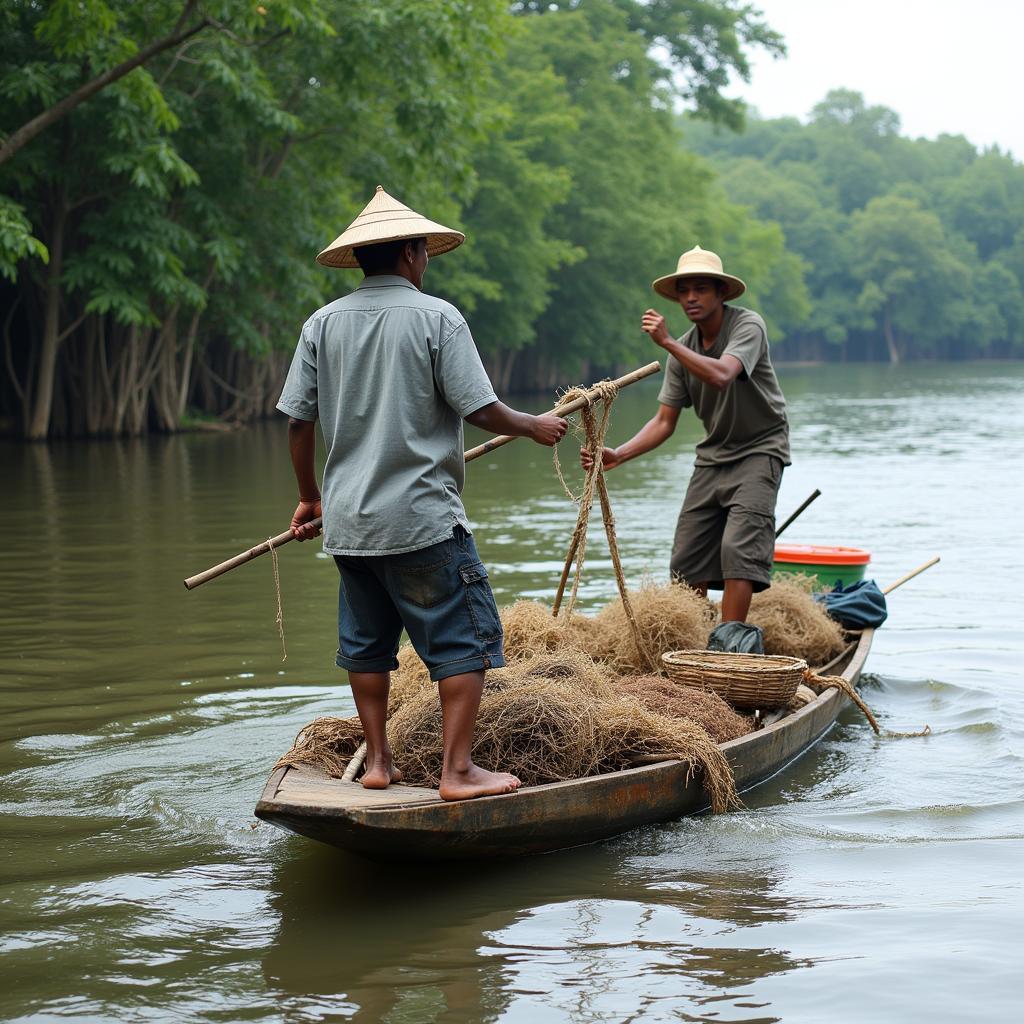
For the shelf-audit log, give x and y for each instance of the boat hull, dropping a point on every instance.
(413, 823)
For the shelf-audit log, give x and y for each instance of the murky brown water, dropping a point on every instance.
(873, 880)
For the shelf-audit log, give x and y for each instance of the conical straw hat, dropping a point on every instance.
(385, 219)
(698, 262)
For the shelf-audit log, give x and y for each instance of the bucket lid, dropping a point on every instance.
(820, 554)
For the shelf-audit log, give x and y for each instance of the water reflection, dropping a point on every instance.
(602, 926)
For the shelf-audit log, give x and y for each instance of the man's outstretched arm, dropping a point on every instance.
(655, 431)
(302, 446)
(498, 418)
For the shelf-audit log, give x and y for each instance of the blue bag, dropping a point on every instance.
(856, 606)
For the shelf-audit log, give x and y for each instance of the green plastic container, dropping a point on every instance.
(827, 564)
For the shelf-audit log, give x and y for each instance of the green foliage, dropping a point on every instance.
(17, 242)
(182, 205)
(915, 242)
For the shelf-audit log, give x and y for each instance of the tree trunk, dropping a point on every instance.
(890, 338)
(42, 399)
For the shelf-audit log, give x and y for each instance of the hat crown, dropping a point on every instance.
(695, 260)
(385, 219)
(698, 262)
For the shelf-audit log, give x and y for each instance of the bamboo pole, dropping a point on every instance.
(565, 575)
(566, 409)
(240, 559)
(910, 575)
(352, 768)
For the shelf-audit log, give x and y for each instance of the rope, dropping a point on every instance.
(277, 588)
(593, 435)
(819, 683)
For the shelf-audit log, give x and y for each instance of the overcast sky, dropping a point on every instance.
(943, 65)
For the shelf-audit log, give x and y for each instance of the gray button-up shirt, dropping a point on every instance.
(391, 373)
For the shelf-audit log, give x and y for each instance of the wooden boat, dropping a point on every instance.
(413, 823)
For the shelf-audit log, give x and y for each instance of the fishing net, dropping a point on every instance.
(794, 623)
(326, 743)
(672, 699)
(554, 718)
(669, 616)
(550, 718)
(530, 629)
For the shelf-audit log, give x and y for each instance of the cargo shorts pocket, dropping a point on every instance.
(480, 601)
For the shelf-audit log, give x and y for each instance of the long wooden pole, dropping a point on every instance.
(910, 575)
(565, 409)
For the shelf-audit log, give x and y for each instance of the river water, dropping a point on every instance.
(876, 879)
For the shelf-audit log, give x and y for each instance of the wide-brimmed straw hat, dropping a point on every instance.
(698, 262)
(385, 219)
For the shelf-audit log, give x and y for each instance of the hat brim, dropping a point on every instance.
(340, 254)
(666, 286)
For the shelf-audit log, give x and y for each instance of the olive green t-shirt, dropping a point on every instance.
(749, 416)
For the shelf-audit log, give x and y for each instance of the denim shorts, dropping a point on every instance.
(439, 594)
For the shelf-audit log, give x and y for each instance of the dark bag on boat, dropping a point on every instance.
(856, 606)
(736, 638)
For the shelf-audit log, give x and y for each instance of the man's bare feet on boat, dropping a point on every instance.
(380, 774)
(474, 782)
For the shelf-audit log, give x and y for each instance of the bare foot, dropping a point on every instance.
(380, 775)
(476, 782)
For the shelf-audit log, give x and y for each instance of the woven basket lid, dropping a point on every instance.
(385, 219)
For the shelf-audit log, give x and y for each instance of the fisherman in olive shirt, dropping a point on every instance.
(391, 373)
(725, 536)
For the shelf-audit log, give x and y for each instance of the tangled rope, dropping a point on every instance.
(820, 683)
(594, 431)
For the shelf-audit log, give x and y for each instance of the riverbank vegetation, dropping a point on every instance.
(168, 170)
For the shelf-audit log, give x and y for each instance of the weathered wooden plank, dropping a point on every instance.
(301, 785)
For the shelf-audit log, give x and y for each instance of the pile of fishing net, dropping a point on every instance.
(548, 718)
(703, 707)
(669, 618)
(577, 698)
(794, 623)
(672, 617)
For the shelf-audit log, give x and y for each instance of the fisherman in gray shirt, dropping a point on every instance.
(391, 373)
(725, 535)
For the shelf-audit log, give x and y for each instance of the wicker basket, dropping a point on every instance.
(744, 680)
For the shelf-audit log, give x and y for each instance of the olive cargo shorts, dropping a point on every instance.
(726, 528)
(440, 594)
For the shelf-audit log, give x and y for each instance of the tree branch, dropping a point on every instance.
(28, 131)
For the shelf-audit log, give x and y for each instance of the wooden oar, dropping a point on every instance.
(798, 512)
(910, 575)
(565, 409)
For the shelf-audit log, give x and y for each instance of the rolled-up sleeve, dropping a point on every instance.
(674, 392)
(460, 375)
(299, 395)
